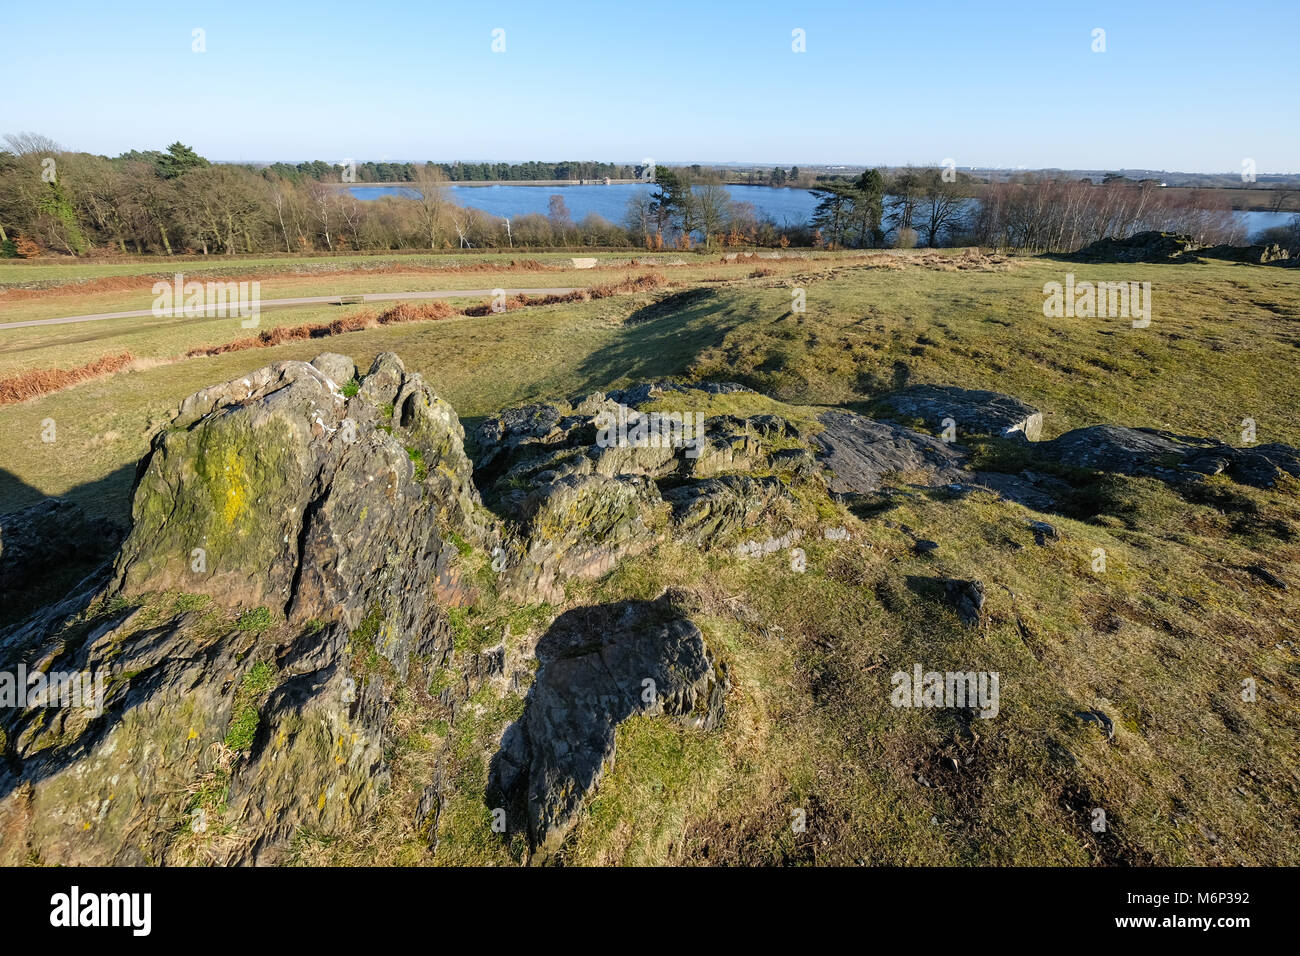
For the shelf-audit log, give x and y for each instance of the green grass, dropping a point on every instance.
(1160, 640)
(149, 337)
(417, 458)
(14, 272)
(256, 620)
(244, 713)
(1221, 338)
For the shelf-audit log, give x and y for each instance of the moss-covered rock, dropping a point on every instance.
(322, 548)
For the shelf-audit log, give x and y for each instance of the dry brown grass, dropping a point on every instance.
(402, 312)
(649, 282)
(27, 385)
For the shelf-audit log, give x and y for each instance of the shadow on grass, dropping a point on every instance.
(659, 340)
(37, 571)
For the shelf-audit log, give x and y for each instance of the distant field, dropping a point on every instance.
(15, 272)
(71, 345)
(19, 271)
(1222, 339)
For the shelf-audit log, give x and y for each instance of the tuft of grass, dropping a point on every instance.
(463, 547)
(255, 620)
(244, 714)
(417, 457)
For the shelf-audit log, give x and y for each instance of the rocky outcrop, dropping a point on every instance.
(859, 453)
(277, 489)
(1151, 246)
(300, 535)
(972, 411)
(583, 486)
(708, 510)
(1176, 458)
(599, 667)
(311, 527)
(580, 526)
(1258, 254)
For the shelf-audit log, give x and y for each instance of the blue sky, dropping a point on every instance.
(1181, 85)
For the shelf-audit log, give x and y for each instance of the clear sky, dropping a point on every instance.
(1187, 85)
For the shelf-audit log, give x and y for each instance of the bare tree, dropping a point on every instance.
(713, 204)
(32, 144)
(941, 207)
(319, 195)
(431, 184)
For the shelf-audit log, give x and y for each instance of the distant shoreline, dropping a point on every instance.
(1241, 198)
(501, 182)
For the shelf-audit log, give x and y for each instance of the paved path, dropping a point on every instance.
(302, 300)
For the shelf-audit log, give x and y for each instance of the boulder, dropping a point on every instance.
(710, 510)
(318, 526)
(975, 412)
(858, 453)
(599, 666)
(967, 597)
(339, 369)
(1176, 458)
(276, 490)
(527, 426)
(579, 526)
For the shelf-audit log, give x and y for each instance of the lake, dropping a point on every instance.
(785, 207)
(791, 207)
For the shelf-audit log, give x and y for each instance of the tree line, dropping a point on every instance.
(175, 201)
(457, 172)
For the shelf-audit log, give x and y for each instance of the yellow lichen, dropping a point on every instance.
(236, 486)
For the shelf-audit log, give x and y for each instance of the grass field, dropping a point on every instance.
(41, 274)
(1222, 340)
(1160, 642)
(49, 271)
